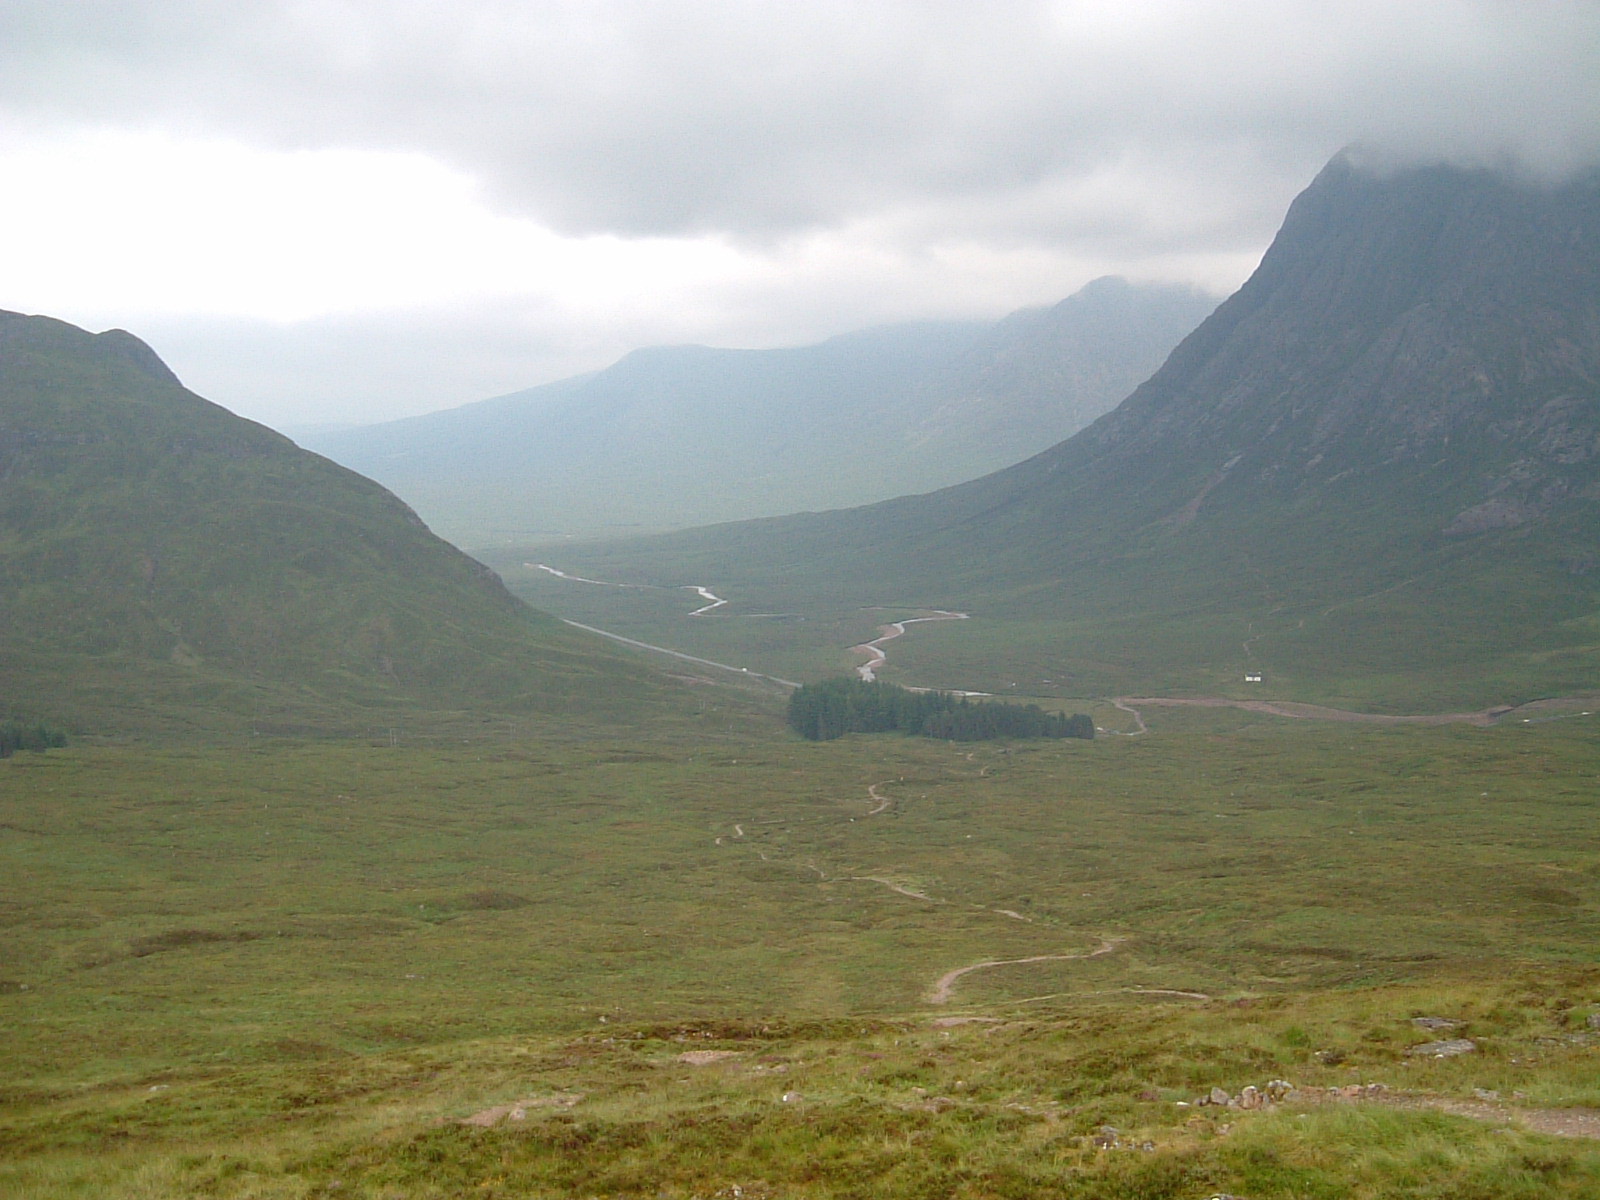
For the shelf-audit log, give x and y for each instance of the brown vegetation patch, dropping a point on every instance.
(183, 939)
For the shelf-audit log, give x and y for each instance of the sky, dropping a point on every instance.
(345, 211)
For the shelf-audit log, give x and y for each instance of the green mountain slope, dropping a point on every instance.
(685, 435)
(1372, 474)
(164, 563)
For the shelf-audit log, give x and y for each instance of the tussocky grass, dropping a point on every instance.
(254, 972)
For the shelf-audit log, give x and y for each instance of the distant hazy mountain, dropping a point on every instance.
(1380, 457)
(165, 564)
(686, 435)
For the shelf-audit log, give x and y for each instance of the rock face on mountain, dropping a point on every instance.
(1433, 320)
(1381, 456)
(683, 435)
(164, 562)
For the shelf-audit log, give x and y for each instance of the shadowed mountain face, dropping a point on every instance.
(164, 562)
(1435, 320)
(685, 435)
(1382, 453)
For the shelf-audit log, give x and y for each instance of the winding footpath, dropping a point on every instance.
(946, 983)
(881, 804)
(887, 633)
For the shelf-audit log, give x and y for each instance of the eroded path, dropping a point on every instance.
(901, 886)
(1562, 1122)
(945, 984)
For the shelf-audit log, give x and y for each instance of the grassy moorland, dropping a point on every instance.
(711, 966)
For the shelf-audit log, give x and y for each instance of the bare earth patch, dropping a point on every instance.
(946, 983)
(516, 1111)
(699, 1058)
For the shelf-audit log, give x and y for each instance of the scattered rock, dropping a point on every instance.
(1350, 1091)
(1594, 1019)
(1250, 1098)
(1435, 1023)
(1106, 1137)
(491, 1117)
(791, 1097)
(699, 1058)
(516, 1111)
(1485, 1094)
(1445, 1049)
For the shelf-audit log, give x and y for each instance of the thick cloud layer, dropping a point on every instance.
(1092, 133)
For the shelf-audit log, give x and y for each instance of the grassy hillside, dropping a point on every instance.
(165, 565)
(710, 964)
(1371, 474)
(685, 435)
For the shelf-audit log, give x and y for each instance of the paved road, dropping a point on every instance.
(704, 662)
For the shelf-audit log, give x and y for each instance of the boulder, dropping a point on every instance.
(1445, 1049)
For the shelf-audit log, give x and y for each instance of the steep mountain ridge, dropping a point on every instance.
(164, 562)
(679, 435)
(1394, 317)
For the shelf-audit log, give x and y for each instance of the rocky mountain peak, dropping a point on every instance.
(1411, 316)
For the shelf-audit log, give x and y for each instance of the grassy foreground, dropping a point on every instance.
(710, 968)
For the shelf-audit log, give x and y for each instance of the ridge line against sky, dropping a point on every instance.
(351, 210)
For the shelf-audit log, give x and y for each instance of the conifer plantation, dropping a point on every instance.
(830, 709)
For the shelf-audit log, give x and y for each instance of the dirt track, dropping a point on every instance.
(1309, 712)
(944, 985)
(887, 633)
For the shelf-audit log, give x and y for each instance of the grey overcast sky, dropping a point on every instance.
(346, 210)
